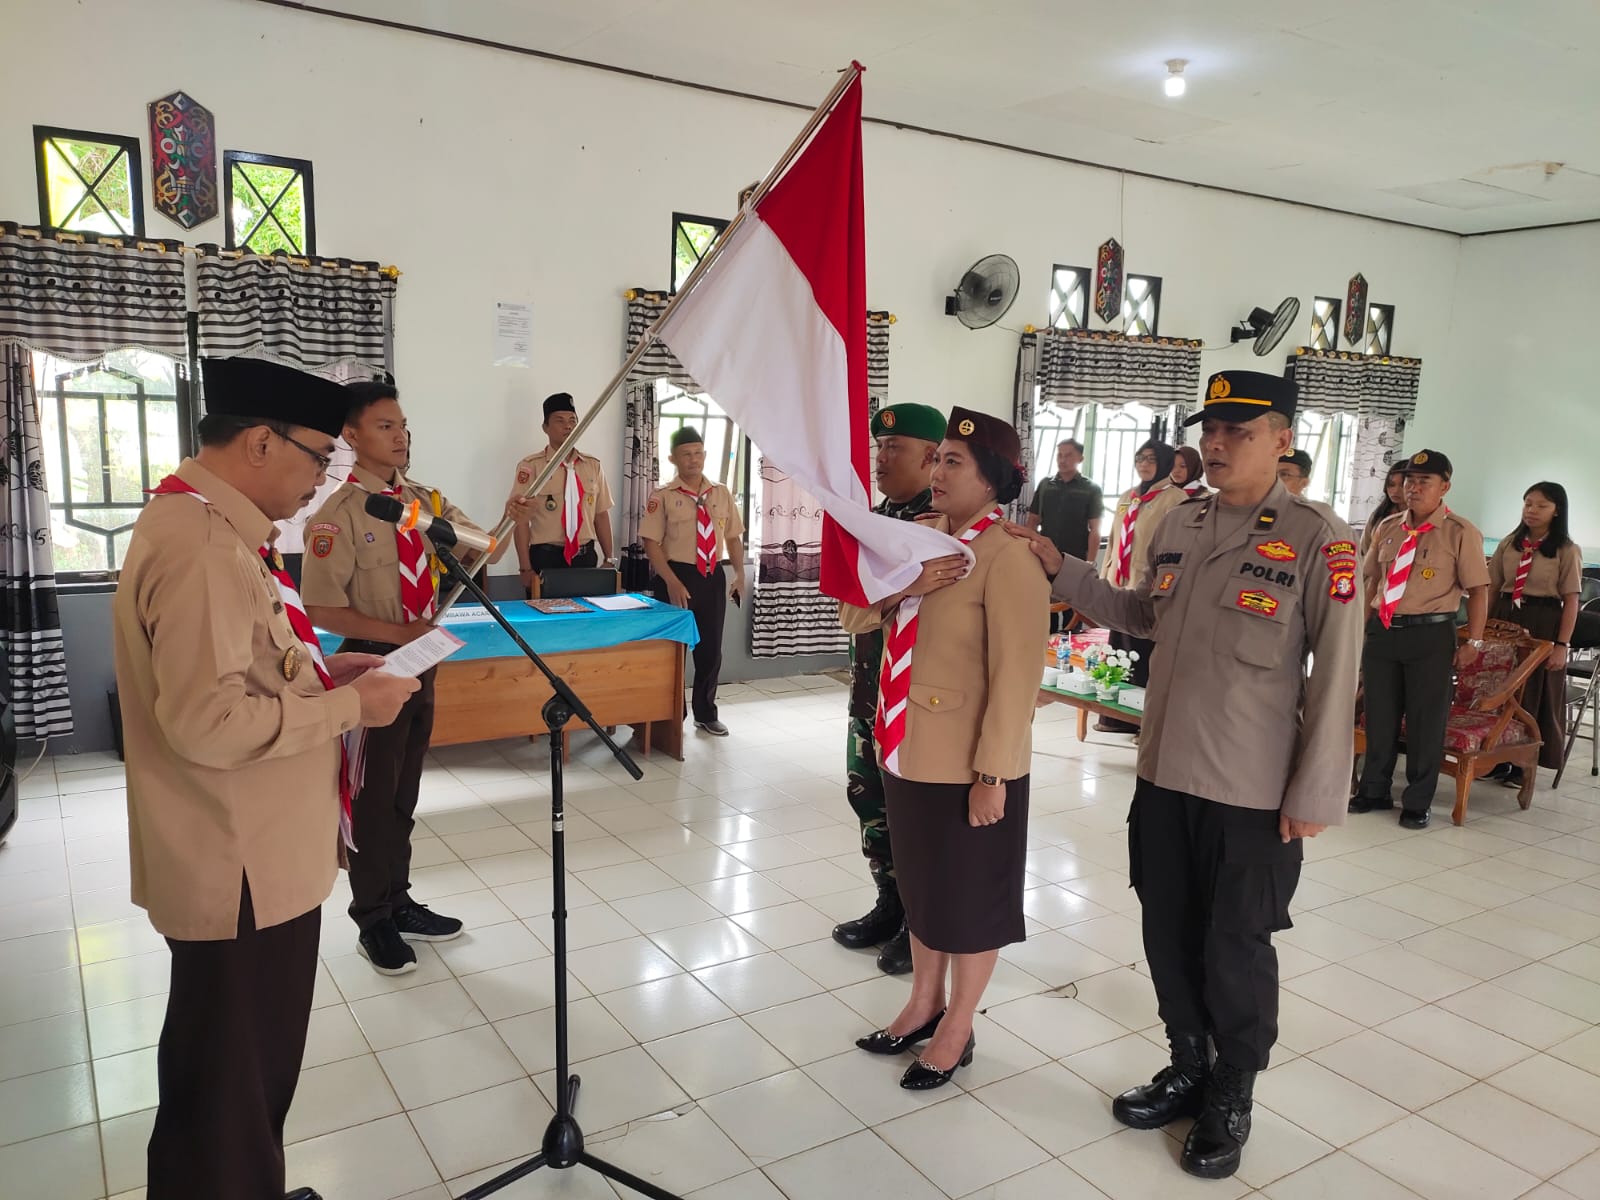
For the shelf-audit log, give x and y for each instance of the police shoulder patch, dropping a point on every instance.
(1263, 603)
(1339, 550)
(1168, 578)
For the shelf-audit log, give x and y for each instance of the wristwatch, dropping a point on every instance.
(1477, 643)
(989, 780)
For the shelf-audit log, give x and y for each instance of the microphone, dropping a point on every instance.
(440, 532)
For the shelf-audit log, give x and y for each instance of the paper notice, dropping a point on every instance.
(619, 603)
(414, 658)
(513, 333)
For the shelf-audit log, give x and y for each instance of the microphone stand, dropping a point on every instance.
(562, 1147)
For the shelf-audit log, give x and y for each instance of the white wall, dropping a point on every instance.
(486, 175)
(1517, 393)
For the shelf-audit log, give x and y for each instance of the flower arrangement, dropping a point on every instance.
(1110, 668)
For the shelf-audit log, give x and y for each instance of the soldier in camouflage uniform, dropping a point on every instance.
(907, 437)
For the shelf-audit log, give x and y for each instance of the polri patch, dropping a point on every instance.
(1277, 550)
(1263, 603)
(1342, 583)
(1335, 550)
(1168, 578)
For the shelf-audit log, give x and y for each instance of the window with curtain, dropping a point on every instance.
(89, 182)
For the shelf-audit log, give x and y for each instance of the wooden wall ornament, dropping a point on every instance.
(1355, 311)
(183, 159)
(1108, 281)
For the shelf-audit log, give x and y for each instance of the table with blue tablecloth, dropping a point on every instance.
(626, 666)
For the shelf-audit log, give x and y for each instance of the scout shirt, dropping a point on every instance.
(1144, 528)
(669, 518)
(1235, 600)
(352, 559)
(544, 523)
(1560, 576)
(1449, 562)
(976, 665)
(232, 742)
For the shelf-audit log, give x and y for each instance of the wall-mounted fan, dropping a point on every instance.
(985, 292)
(1266, 327)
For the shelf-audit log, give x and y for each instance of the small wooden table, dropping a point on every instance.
(1086, 703)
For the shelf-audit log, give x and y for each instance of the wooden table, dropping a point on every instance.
(635, 683)
(1086, 703)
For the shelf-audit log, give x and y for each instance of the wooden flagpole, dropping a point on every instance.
(651, 335)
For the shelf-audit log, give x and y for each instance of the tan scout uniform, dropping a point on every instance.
(670, 518)
(1551, 578)
(232, 768)
(353, 561)
(547, 540)
(1144, 528)
(1406, 668)
(1544, 596)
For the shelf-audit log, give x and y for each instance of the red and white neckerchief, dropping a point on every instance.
(571, 510)
(894, 686)
(1394, 586)
(1192, 487)
(416, 580)
(352, 747)
(1530, 547)
(1130, 518)
(705, 531)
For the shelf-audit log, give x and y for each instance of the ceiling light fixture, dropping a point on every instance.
(1175, 85)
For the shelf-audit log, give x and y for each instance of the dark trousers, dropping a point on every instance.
(1406, 674)
(1214, 883)
(229, 1059)
(547, 556)
(708, 601)
(864, 789)
(384, 810)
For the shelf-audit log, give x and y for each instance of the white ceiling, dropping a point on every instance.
(1462, 115)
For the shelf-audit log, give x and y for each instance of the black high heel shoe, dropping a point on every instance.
(921, 1077)
(884, 1042)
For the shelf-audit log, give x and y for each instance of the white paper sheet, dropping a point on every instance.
(416, 657)
(618, 603)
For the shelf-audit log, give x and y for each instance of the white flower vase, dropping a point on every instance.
(1107, 693)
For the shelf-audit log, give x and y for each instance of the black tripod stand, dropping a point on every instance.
(562, 1147)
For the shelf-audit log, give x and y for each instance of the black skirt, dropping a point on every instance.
(961, 886)
(1545, 693)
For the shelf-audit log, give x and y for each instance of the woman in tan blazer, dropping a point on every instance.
(961, 669)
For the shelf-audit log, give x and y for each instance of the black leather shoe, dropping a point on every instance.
(895, 957)
(1415, 820)
(879, 925)
(884, 1042)
(1178, 1090)
(1363, 804)
(1512, 778)
(1216, 1142)
(303, 1194)
(922, 1077)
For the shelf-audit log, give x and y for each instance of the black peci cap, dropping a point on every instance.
(269, 391)
(559, 402)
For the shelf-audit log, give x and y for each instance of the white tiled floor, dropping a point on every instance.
(1438, 1023)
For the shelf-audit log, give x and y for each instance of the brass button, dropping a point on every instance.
(933, 701)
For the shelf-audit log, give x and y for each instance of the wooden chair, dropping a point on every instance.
(1487, 724)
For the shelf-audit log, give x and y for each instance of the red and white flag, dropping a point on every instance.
(776, 331)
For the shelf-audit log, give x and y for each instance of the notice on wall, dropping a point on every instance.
(513, 333)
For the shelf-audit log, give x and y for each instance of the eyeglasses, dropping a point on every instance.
(1144, 460)
(322, 460)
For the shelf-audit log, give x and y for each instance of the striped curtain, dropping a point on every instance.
(79, 298)
(307, 313)
(1024, 402)
(1381, 392)
(640, 449)
(30, 628)
(1080, 366)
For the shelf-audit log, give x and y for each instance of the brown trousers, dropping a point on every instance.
(229, 1059)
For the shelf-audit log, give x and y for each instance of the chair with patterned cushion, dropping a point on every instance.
(1487, 723)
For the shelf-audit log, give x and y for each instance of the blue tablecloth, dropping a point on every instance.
(553, 633)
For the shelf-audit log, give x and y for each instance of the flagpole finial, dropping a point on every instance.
(856, 67)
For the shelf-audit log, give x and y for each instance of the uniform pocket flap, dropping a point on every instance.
(936, 699)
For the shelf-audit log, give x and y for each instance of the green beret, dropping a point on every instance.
(909, 420)
(685, 436)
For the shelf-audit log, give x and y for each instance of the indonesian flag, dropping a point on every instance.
(776, 331)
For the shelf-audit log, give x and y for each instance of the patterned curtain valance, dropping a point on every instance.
(1366, 385)
(878, 359)
(1080, 366)
(307, 313)
(78, 297)
(644, 308)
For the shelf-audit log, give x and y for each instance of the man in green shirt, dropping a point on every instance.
(907, 437)
(1067, 508)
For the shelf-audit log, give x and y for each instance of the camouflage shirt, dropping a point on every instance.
(866, 650)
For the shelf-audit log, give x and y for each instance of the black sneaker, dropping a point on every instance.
(714, 727)
(417, 923)
(386, 950)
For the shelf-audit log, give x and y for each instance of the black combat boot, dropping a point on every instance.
(895, 957)
(879, 925)
(1176, 1091)
(1217, 1140)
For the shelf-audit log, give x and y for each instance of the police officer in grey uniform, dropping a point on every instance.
(1253, 601)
